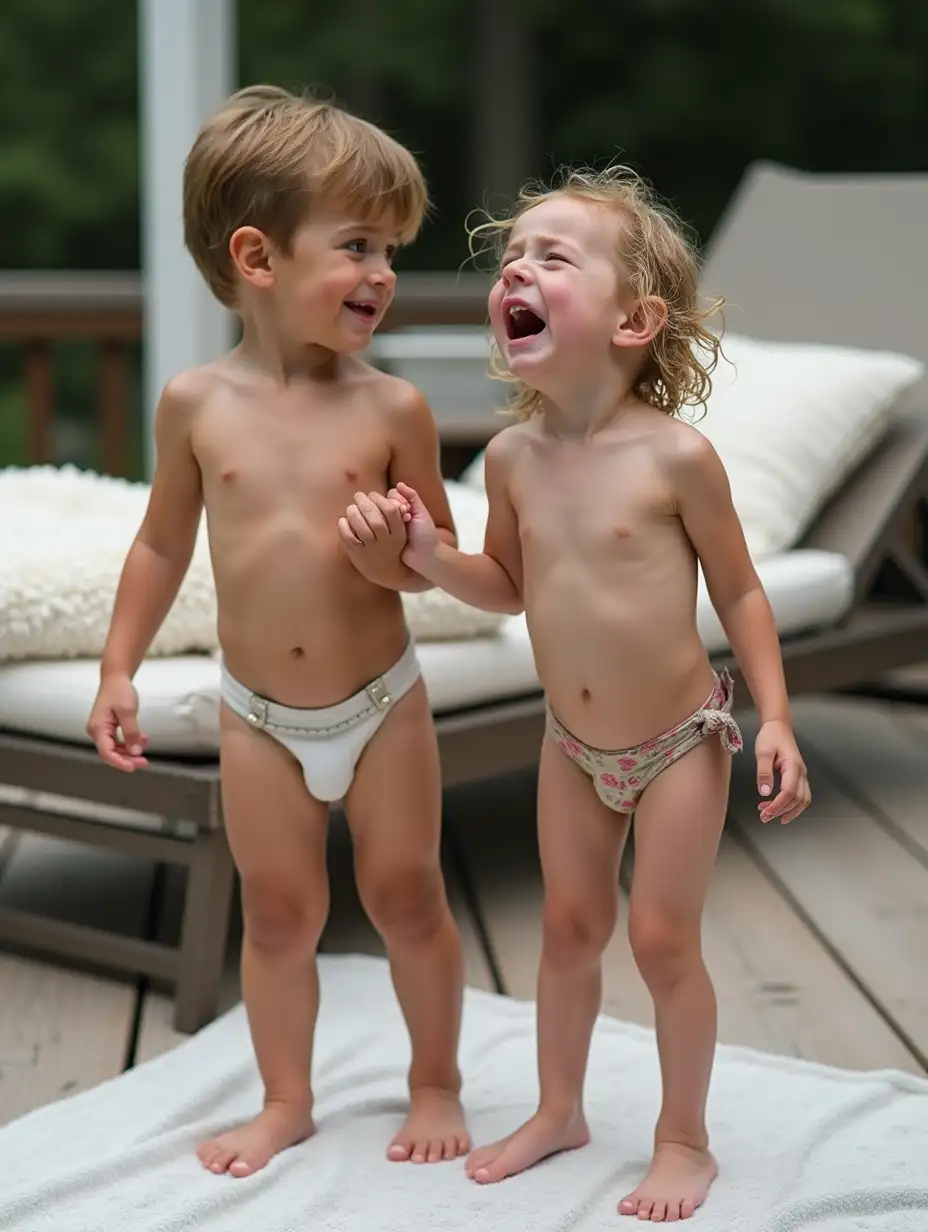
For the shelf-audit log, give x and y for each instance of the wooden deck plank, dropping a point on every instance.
(156, 1021)
(859, 888)
(156, 1032)
(61, 1029)
(879, 753)
(61, 1032)
(779, 989)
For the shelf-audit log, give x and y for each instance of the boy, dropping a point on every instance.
(293, 211)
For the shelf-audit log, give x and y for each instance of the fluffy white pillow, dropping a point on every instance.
(64, 535)
(790, 422)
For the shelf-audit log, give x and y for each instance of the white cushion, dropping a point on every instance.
(790, 422)
(179, 697)
(64, 535)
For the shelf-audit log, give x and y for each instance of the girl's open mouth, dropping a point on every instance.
(522, 322)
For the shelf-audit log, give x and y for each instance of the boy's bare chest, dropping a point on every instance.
(253, 464)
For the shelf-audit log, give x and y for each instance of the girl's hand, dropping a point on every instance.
(421, 535)
(777, 753)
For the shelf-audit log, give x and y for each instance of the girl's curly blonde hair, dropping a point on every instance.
(659, 262)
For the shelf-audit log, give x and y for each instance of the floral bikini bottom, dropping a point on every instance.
(621, 775)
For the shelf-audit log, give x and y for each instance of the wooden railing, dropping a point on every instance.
(41, 310)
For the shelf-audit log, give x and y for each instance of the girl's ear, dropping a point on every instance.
(640, 324)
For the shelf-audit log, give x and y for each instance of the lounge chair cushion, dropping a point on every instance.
(180, 696)
(791, 422)
(64, 535)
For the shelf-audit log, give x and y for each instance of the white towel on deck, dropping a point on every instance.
(801, 1147)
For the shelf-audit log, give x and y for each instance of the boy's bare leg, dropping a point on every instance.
(394, 811)
(277, 833)
(677, 830)
(580, 842)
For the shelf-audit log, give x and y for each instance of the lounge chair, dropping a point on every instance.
(796, 257)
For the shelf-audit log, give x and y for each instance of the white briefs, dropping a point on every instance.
(329, 741)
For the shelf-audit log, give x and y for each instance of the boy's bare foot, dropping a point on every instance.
(247, 1149)
(434, 1129)
(539, 1137)
(677, 1183)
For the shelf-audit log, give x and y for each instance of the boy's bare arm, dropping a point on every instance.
(160, 554)
(416, 461)
(491, 579)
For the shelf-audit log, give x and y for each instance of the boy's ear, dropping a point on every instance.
(640, 322)
(251, 253)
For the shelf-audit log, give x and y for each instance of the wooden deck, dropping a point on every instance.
(813, 932)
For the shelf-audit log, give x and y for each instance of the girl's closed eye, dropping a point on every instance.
(556, 256)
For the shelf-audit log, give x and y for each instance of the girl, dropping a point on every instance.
(602, 504)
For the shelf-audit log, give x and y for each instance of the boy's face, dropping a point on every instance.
(337, 281)
(557, 304)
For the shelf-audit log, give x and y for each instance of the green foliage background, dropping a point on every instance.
(690, 91)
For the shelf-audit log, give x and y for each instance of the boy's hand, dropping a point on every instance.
(777, 752)
(421, 534)
(113, 725)
(373, 532)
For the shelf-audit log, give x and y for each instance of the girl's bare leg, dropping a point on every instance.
(581, 842)
(677, 830)
(277, 833)
(394, 811)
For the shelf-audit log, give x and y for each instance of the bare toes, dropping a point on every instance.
(220, 1159)
(496, 1170)
(658, 1212)
(478, 1160)
(398, 1152)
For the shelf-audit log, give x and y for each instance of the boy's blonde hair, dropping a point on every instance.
(268, 156)
(658, 260)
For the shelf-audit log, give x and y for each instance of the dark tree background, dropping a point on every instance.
(485, 91)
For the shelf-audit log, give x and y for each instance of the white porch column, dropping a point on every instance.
(186, 54)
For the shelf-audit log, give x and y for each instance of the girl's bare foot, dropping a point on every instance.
(677, 1183)
(541, 1136)
(247, 1149)
(434, 1129)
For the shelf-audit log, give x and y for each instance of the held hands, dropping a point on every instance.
(373, 532)
(378, 530)
(421, 535)
(113, 725)
(777, 752)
